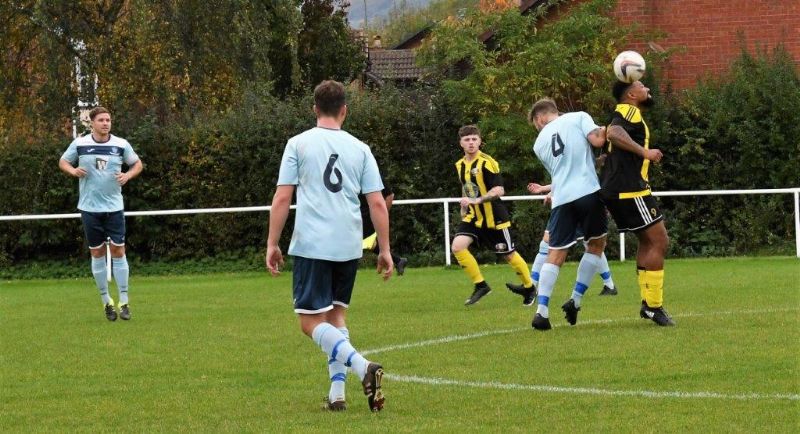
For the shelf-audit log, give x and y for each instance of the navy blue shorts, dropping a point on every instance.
(550, 224)
(98, 226)
(582, 218)
(319, 284)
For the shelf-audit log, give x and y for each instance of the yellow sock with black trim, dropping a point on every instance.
(469, 264)
(521, 268)
(654, 287)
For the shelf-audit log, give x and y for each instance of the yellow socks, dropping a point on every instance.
(469, 264)
(521, 268)
(651, 287)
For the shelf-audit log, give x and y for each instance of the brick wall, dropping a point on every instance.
(708, 31)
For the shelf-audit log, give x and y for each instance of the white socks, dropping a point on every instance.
(337, 347)
(547, 280)
(100, 278)
(119, 266)
(338, 373)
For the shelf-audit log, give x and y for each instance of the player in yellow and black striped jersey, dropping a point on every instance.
(477, 178)
(484, 218)
(625, 189)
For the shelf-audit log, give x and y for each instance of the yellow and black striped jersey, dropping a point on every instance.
(624, 174)
(478, 177)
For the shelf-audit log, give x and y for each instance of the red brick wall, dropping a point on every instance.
(708, 31)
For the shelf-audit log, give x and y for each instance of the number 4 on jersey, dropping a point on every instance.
(557, 145)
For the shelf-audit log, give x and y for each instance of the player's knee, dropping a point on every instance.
(459, 244)
(307, 327)
(336, 316)
(557, 257)
(596, 246)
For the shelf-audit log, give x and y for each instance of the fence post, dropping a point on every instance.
(446, 233)
(622, 247)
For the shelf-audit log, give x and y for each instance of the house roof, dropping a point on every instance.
(525, 7)
(415, 39)
(394, 64)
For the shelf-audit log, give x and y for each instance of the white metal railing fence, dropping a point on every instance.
(446, 210)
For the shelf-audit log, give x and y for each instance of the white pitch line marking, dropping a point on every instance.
(456, 338)
(578, 390)
(590, 390)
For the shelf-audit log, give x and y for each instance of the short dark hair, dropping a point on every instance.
(619, 89)
(329, 97)
(544, 105)
(468, 130)
(96, 111)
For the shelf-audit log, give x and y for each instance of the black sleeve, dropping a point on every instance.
(491, 179)
(618, 119)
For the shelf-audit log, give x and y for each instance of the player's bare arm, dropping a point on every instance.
(464, 205)
(622, 140)
(380, 220)
(493, 194)
(534, 188)
(133, 172)
(67, 168)
(278, 214)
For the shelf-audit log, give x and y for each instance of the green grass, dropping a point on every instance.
(224, 353)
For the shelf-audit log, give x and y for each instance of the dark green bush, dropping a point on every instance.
(739, 131)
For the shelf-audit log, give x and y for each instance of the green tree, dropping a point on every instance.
(327, 48)
(165, 59)
(497, 80)
(404, 21)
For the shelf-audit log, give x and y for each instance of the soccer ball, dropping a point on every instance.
(629, 66)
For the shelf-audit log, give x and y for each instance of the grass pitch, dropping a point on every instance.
(223, 353)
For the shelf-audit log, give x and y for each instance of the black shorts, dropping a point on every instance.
(582, 218)
(634, 214)
(319, 284)
(98, 226)
(499, 240)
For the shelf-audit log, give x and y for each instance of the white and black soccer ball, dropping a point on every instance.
(629, 66)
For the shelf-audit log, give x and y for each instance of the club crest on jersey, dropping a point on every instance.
(474, 171)
(114, 150)
(100, 163)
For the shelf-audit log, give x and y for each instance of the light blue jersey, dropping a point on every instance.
(566, 153)
(99, 190)
(330, 168)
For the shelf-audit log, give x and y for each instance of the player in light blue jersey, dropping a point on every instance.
(564, 145)
(328, 168)
(100, 157)
(609, 288)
